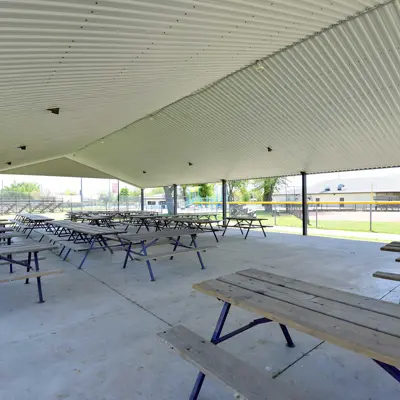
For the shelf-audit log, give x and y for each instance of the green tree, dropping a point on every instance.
(233, 187)
(264, 189)
(70, 192)
(135, 192)
(169, 198)
(206, 190)
(22, 187)
(124, 192)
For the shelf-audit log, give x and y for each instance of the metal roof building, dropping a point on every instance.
(138, 90)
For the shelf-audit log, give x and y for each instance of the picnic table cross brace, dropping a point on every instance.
(216, 338)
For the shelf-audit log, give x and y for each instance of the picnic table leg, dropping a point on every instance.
(226, 227)
(240, 227)
(38, 281)
(148, 262)
(262, 228)
(87, 253)
(215, 336)
(248, 229)
(198, 253)
(176, 245)
(287, 336)
(28, 268)
(128, 253)
(11, 266)
(213, 231)
(390, 369)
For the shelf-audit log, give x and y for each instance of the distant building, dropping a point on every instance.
(346, 190)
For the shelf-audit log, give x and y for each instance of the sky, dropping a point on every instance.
(92, 187)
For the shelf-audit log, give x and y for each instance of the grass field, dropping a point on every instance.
(356, 226)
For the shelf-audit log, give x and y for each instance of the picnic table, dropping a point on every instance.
(99, 220)
(81, 237)
(196, 215)
(138, 245)
(201, 224)
(364, 325)
(5, 237)
(7, 252)
(244, 223)
(28, 222)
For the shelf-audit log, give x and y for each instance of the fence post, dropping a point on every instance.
(274, 206)
(370, 217)
(316, 215)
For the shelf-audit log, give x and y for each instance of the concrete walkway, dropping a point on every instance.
(95, 337)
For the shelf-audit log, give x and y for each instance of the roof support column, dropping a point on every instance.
(118, 194)
(142, 199)
(175, 188)
(304, 205)
(224, 208)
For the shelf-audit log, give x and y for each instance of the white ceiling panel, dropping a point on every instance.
(329, 103)
(109, 64)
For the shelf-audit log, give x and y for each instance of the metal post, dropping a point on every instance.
(142, 199)
(118, 194)
(370, 217)
(224, 200)
(175, 188)
(316, 215)
(304, 204)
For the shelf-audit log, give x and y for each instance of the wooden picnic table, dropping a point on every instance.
(201, 224)
(4, 229)
(98, 220)
(196, 215)
(82, 237)
(29, 248)
(5, 237)
(364, 325)
(244, 223)
(139, 243)
(28, 222)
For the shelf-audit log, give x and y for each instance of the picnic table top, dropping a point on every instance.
(36, 217)
(87, 229)
(194, 214)
(247, 218)
(195, 221)
(7, 235)
(26, 248)
(165, 233)
(361, 324)
(4, 229)
(97, 217)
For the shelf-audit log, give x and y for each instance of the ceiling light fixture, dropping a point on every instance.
(190, 164)
(55, 110)
(8, 162)
(259, 65)
(144, 172)
(269, 149)
(22, 147)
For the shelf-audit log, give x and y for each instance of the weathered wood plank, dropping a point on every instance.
(17, 277)
(223, 366)
(373, 344)
(26, 248)
(345, 312)
(172, 253)
(386, 275)
(367, 303)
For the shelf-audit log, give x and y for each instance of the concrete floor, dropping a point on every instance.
(95, 337)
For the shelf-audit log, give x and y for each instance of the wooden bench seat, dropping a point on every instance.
(386, 275)
(172, 253)
(7, 262)
(74, 246)
(17, 276)
(223, 366)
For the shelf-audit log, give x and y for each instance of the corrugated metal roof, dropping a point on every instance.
(109, 63)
